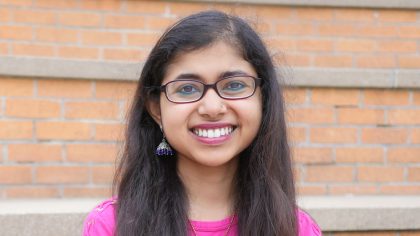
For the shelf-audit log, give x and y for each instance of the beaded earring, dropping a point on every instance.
(164, 149)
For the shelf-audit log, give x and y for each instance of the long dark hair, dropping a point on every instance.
(151, 196)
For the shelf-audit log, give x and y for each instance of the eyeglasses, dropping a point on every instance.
(231, 88)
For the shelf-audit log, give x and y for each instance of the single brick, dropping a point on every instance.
(354, 189)
(32, 192)
(380, 61)
(157, 8)
(32, 108)
(329, 174)
(91, 110)
(314, 14)
(409, 31)
(16, 87)
(34, 152)
(62, 174)
(384, 135)
(316, 45)
(404, 154)
(360, 116)
(64, 88)
(311, 115)
(115, 90)
(311, 189)
(16, 32)
(101, 38)
(37, 17)
(354, 15)
(124, 22)
(337, 97)
(409, 62)
(359, 155)
(109, 5)
(142, 39)
(355, 45)
(57, 35)
(20, 3)
(312, 155)
(87, 192)
(397, 46)
(333, 61)
(109, 132)
(92, 152)
(33, 50)
(50, 130)
(78, 52)
(16, 130)
(80, 19)
(404, 117)
(15, 174)
(380, 174)
(287, 29)
(123, 54)
(397, 16)
(386, 97)
(400, 189)
(380, 31)
(60, 4)
(333, 135)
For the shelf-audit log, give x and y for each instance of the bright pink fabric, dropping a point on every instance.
(101, 222)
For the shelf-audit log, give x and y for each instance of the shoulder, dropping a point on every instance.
(307, 226)
(101, 220)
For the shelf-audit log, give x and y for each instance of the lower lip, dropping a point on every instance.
(213, 141)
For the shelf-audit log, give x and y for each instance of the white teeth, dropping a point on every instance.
(217, 133)
(210, 133)
(213, 133)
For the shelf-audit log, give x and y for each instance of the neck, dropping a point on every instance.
(210, 190)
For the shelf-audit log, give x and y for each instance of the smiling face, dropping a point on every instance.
(212, 131)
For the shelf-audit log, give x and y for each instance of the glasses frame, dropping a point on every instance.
(257, 82)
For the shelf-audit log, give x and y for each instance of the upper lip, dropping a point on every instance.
(211, 125)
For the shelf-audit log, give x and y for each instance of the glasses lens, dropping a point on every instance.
(236, 87)
(184, 91)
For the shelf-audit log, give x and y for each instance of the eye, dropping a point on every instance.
(234, 86)
(187, 89)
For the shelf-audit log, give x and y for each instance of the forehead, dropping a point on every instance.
(209, 62)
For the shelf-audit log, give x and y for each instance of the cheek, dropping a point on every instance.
(251, 114)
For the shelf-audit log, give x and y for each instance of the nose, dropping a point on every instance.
(211, 105)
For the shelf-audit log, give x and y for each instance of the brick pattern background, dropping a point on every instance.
(126, 30)
(60, 137)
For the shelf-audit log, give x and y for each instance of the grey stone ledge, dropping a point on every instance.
(123, 71)
(404, 4)
(332, 213)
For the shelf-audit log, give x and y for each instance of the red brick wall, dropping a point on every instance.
(60, 137)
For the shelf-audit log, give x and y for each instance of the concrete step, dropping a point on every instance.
(333, 213)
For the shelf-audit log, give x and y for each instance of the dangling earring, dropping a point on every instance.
(164, 149)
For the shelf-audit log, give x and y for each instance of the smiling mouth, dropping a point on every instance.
(214, 133)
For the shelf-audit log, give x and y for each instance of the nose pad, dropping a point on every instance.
(212, 104)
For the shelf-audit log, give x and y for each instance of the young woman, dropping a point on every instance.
(206, 147)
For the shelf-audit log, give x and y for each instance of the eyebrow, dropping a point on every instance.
(198, 77)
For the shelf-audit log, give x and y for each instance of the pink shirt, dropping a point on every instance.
(101, 222)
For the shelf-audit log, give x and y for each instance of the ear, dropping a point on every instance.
(153, 108)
